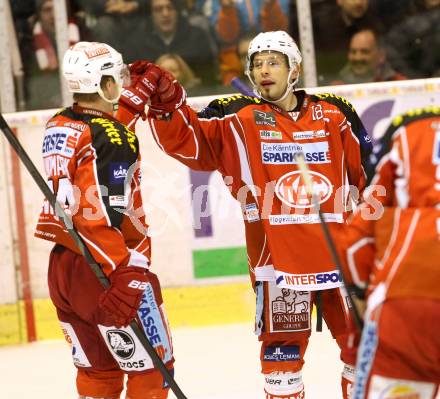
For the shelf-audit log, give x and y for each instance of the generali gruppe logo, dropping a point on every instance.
(292, 190)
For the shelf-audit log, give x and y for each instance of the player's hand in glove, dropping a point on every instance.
(144, 80)
(169, 96)
(152, 85)
(121, 300)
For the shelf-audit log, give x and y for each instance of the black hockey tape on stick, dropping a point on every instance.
(305, 173)
(41, 183)
(242, 87)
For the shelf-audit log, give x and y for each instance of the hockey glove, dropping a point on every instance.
(139, 67)
(170, 95)
(121, 300)
(144, 78)
(134, 101)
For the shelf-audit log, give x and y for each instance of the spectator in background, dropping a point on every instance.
(429, 4)
(232, 19)
(242, 50)
(250, 15)
(243, 46)
(367, 61)
(116, 22)
(170, 32)
(44, 76)
(44, 36)
(193, 11)
(412, 45)
(392, 12)
(334, 23)
(174, 64)
(22, 12)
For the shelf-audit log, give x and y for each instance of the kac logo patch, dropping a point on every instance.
(291, 189)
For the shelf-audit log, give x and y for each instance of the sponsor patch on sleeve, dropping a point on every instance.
(118, 201)
(118, 172)
(60, 141)
(252, 214)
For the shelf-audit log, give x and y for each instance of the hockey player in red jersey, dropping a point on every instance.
(393, 252)
(253, 142)
(91, 162)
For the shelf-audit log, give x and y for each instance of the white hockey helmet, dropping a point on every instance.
(85, 63)
(281, 42)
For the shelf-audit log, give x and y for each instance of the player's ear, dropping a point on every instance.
(106, 83)
(295, 73)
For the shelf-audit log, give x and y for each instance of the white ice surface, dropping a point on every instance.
(218, 362)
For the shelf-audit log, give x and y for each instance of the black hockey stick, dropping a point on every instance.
(41, 183)
(305, 173)
(243, 88)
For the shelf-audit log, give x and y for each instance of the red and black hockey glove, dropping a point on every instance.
(121, 300)
(170, 95)
(133, 101)
(144, 81)
(145, 77)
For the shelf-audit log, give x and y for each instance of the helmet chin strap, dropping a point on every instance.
(289, 88)
(113, 101)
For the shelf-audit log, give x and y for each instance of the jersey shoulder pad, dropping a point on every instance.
(67, 113)
(414, 115)
(339, 101)
(228, 105)
(384, 144)
(105, 130)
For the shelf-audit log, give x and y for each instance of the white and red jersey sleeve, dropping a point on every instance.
(255, 144)
(393, 240)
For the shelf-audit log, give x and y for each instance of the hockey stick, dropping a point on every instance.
(242, 87)
(41, 183)
(305, 173)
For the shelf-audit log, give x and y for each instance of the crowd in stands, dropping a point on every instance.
(204, 42)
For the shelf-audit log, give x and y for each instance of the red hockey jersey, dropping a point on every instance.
(92, 165)
(394, 239)
(254, 145)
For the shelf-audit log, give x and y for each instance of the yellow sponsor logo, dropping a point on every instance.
(114, 134)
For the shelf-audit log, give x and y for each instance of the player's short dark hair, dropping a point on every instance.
(90, 97)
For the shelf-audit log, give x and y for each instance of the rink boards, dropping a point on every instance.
(198, 244)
